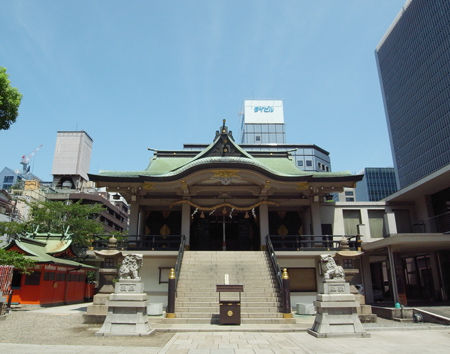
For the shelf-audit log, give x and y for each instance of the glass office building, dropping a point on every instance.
(414, 67)
(263, 129)
(377, 184)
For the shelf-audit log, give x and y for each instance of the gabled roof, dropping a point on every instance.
(223, 152)
(39, 251)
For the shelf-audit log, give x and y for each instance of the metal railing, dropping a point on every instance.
(273, 261)
(179, 260)
(140, 242)
(283, 282)
(312, 242)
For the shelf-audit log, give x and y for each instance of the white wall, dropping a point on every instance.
(150, 276)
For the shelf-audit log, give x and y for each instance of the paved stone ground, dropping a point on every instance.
(34, 327)
(60, 330)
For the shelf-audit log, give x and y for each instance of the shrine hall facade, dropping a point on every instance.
(226, 198)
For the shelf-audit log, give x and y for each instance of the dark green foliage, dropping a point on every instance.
(10, 99)
(17, 260)
(57, 217)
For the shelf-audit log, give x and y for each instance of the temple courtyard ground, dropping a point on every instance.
(61, 330)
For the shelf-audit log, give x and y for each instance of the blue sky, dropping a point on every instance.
(138, 74)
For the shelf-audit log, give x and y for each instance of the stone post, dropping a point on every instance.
(287, 311)
(170, 313)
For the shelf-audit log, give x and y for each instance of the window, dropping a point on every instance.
(33, 278)
(349, 199)
(8, 179)
(257, 138)
(352, 219)
(349, 193)
(300, 163)
(308, 163)
(376, 223)
(347, 263)
(16, 280)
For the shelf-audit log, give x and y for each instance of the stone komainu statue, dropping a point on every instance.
(330, 269)
(130, 267)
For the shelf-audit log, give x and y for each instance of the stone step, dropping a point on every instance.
(193, 315)
(215, 309)
(261, 304)
(215, 320)
(216, 299)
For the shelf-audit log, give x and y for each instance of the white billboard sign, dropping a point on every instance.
(263, 111)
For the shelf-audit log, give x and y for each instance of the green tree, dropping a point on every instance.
(10, 98)
(57, 217)
(17, 260)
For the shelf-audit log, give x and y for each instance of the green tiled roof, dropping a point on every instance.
(36, 251)
(172, 165)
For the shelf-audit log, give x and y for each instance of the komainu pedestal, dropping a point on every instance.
(127, 307)
(336, 307)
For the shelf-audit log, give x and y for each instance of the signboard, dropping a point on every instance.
(263, 112)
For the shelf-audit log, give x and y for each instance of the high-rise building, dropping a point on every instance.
(72, 158)
(413, 61)
(263, 129)
(378, 183)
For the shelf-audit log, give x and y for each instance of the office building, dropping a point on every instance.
(413, 61)
(377, 183)
(263, 129)
(412, 265)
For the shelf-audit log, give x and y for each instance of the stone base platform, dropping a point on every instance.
(337, 312)
(127, 311)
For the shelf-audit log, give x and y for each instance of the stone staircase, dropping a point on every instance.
(198, 302)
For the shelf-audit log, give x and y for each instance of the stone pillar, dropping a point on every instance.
(186, 223)
(134, 218)
(315, 215)
(263, 224)
(393, 274)
(389, 221)
(367, 278)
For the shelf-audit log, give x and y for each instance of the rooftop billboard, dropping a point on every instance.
(263, 111)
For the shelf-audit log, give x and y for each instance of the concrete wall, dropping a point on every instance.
(306, 297)
(150, 275)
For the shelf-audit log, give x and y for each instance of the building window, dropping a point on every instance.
(347, 263)
(308, 163)
(300, 163)
(33, 278)
(8, 179)
(349, 193)
(349, 199)
(352, 218)
(257, 138)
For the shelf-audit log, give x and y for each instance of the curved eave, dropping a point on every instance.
(138, 178)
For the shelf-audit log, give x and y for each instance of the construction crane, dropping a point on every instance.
(25, 162)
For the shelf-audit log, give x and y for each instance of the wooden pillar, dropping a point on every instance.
(134, 218)
(186, 223)
(263, 224)
(315, 216)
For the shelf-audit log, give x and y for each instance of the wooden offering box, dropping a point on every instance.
(230, 310)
